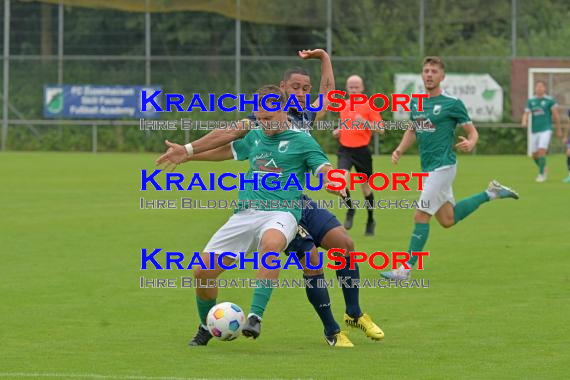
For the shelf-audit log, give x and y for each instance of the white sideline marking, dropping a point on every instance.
(89, 376)
(96, 376)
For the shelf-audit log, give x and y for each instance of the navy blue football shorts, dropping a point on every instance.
(314, 224)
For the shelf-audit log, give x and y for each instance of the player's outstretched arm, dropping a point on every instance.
(177, 154)
(467, 144)
(524, 121)
(220, 137)
(173, 155)
(221, 153)
(327, 75)
(407, 141)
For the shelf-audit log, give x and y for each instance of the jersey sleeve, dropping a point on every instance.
(527, 108)
(553, 103)
(460, 114)
(241, 147)
(412, 117)
(315, 158)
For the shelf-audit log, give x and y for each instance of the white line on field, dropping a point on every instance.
(96, 376)
(87, 376)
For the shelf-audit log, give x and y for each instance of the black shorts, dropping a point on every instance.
(360, 158)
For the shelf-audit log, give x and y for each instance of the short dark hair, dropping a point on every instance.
(540, 81)
(294, 70)
(432, 60)
(270, 89)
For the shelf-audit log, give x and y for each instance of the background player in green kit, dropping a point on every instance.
(441, 114)
(544, 109)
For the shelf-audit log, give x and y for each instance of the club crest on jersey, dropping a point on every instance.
(269, 165)
(437, 109)
(283, 146)
(428, 126)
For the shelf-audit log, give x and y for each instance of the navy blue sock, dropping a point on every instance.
(319, 298)
(350, 292)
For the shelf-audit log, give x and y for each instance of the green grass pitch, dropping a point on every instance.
(71, 232)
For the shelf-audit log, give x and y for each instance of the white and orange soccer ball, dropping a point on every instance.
(225, 321)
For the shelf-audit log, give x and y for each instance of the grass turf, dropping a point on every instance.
(71, 232)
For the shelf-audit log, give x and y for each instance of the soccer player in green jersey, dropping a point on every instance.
(544, 109)
(440, 115)
(322, 228)
(274, 150)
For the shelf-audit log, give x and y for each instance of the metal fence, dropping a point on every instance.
(241, 54)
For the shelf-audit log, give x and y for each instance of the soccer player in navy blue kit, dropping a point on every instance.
(324, 229)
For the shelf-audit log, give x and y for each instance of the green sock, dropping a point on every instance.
(261, 296)
(541, 164)
(536, 162)
(418, 240)
(466, 206)
(204, 307)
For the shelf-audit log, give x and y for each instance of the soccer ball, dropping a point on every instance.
(225, 321)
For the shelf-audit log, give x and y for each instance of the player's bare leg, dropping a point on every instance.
(203, 275)
(272, 240)
(445, 215)
(205, 297)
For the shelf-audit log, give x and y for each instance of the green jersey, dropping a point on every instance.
(286, 153)
(441, 114)
(541, 110)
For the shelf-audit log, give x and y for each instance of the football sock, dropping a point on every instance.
(370, 199)
(466, 206)
(319, 298)
(541, 164)
(261, 296)
(349, 202)
(350, 292)
(536, 162)
(204, 307)
(418, 241)
(568, 163)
